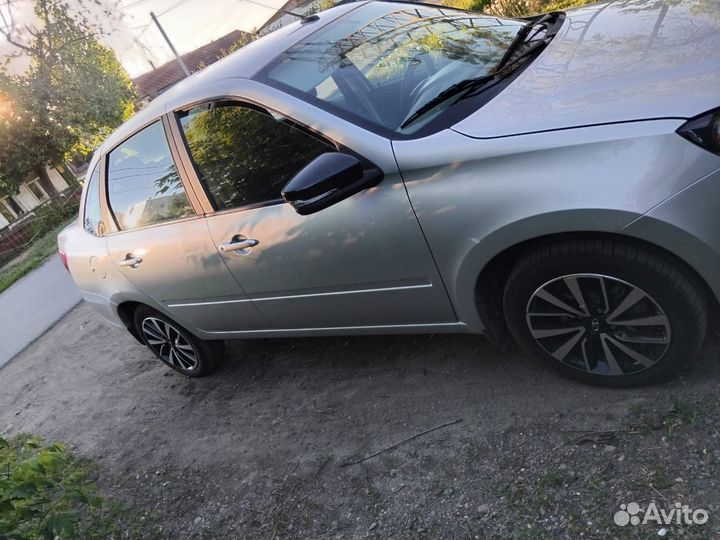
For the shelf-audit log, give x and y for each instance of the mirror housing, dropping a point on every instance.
(328, 179)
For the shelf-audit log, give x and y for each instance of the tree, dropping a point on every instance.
(317, 7)
(72, 95)
(470, 5)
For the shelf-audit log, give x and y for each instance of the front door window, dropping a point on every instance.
(244, 156)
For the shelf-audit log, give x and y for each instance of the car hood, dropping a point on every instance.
(613, 62)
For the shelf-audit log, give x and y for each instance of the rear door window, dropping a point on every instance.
(143, 184)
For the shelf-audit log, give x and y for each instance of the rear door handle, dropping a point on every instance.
(238, 243)
(131, 261)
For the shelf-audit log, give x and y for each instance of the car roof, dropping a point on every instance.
(243, 63)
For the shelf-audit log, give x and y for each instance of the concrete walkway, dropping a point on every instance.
(32, 305)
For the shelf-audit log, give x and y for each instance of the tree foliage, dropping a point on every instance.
(72, 95)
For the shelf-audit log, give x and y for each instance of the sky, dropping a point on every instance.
(137, 41)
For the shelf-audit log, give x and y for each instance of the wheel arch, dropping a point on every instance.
(126, 312)
(490, 282)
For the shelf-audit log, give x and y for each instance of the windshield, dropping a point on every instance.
(384, 61)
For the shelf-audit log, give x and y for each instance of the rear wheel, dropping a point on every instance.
(174, 345)
(605, 312)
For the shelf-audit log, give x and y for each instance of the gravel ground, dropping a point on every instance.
(273, 445)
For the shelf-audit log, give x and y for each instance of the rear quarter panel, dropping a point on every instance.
(98, 280)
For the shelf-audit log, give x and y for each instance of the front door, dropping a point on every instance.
(361, 263)
(162, 246)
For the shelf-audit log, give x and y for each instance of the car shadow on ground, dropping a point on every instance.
(264, 441)
(467, 360)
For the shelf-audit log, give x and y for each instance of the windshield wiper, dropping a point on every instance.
(522, 38)
(450, 91)
(476, 85)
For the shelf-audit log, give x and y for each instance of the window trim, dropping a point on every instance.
(36, 184)
(9, 201)
(8, 209)
(189, 164)
(84, 194)
(104, 191)
(83, 207)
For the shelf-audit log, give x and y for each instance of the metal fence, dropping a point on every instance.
(23, 232)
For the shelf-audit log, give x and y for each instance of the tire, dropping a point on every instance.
(175, 346)
(603, 286)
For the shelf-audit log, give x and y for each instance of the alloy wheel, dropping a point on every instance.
(598, 324)
(169, 343)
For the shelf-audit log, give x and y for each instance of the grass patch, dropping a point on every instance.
(47, 493)
(551, 480)
(680, 414)
(35, 255)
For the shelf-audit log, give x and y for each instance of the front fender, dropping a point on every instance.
(475, 198)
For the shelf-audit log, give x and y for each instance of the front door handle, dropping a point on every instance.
(238, 243)
(130, 260)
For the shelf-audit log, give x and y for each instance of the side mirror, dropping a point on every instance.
(328, 179)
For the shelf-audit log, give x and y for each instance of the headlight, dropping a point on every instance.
(703, 130)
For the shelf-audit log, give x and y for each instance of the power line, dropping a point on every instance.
(172, 47)
(176, 4)
(144, 27)
(173, 6)
(134, 4)
(281, 10)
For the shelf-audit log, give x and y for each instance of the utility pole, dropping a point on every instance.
(167, 39)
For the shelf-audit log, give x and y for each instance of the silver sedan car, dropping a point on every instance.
(388, 167)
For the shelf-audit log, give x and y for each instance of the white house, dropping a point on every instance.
(30, 196)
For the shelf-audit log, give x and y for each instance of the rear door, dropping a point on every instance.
(161, 242)
(361, 263)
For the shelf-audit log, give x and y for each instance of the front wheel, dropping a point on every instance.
(605, 312)
(174, 345)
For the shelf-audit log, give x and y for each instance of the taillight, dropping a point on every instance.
(63, 258)
(703, 130)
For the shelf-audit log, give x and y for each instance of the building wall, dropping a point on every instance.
(30, 196)
(57, 180)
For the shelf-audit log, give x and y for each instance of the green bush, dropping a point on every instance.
(45, 493)
(514, 8)
(52, 214)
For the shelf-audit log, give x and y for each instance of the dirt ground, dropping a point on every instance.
(263, 448)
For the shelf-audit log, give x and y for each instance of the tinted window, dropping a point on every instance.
(245, 156)
(382, 62)
(92, 217)
(143, 183)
